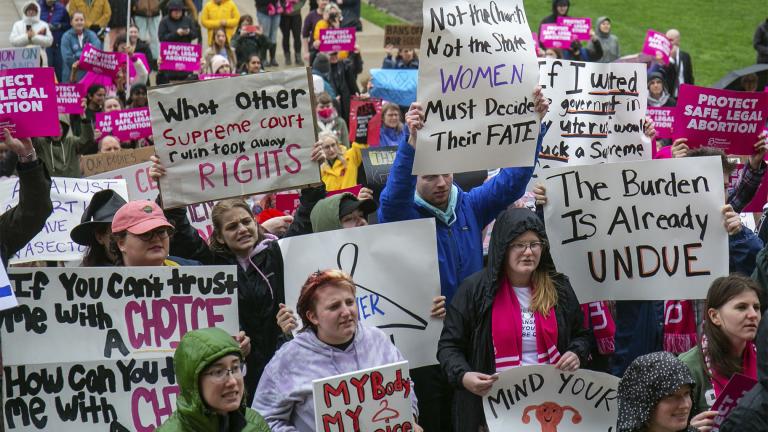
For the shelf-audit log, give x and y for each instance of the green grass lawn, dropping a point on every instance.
(378, 17)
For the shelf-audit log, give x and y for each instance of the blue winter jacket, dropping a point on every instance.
(58, 22)
(71, 50)
(460, 245)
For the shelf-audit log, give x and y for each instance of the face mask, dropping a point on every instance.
(325, 112)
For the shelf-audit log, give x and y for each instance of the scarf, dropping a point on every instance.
(748, 365)
(679, 326)
(448, 216)
(598, 317)
(654, 102)
(507, 330)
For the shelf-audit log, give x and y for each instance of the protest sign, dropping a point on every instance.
(365, 121)
(398, 302)
(337, 39)
(206, 77)
(760, 197)
(125, 125)
(69, 99)
(544, 398)
(663, 119)
(579, 27)
(556, 36)
(476, 80)
(395, 85)
(103, 341)
(178, 56)
(375, 399)
(101, 62)
(657, 45)
(732, 393)
(648, 230)
(28, 107)
(403, 36)
(245, 135)
(288, 202)
(727, 119)
(7, 298)
(103, 162)
(20, 58)
(70, 197)
(376, 165)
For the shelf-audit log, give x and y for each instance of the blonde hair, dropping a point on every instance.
(544, 296)
(323, 136)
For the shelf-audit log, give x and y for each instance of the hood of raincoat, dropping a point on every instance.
(31, 20)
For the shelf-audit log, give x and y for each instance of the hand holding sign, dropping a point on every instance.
(704, 421)
(478, 383)
(22, 147)
(732, 220)
(758, 156)
(414, 118)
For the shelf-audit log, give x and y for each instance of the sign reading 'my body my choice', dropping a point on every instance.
(236, 136)
(476, 80)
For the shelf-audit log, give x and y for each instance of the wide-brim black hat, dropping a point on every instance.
(100, 211)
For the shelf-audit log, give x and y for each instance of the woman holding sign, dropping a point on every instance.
(517, 311)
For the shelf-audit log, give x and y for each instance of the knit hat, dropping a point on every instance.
(217, 62)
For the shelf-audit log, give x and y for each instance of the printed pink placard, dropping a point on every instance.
(337, 39)
(657, 43)
(29, 107)
(761, 196)
(555, 36)
(177, 56)
(730, 396)
(287, 202)
(101, 62)
(726, 119)
(579, 26)
(354, 190)
(69, 99)
(663, 118)
(125, 125)
(204, 77)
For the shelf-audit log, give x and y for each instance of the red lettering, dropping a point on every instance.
(342, 390)
(359, 384)
(237, 171)
(288, 150)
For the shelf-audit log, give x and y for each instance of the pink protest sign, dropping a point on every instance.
(555, 36)
(657, 43)
(125, 125)
(101, 62)
(177, 56)
(580, 27)
(663, 118)
(337, 39)
(69, 99)
(287, 202)
(28, 102)
(730, 396)
(727, 119)
(354, 190)
(761, 196)
(205, 77)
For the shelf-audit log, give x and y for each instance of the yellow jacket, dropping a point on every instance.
(340, 177)
(213, 13)
(97, 13)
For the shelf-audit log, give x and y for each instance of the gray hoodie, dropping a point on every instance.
(609, 42)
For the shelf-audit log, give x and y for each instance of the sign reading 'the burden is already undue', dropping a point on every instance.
(233, 137)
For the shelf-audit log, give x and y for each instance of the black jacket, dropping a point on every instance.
(752, 412)
(246, 45)
(672, 72)
(760, 42)
(343, 78)
(466, 343)
(166, 31)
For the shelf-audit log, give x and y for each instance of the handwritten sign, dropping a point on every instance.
(178, 56)
(20, 58)
(7, 297)
(656, 44)
(365, 121)
(69, 99)
(727, 119)
(106, 339)
(398, 302)
(663, 120)
(29, 106)
(101, 62)
(125, 125)
(337, 39)
(403, 35)
(476, 81)
(638, 230)
(103, 162)
(579, 27)
(737, 386)
(245, 135)
(377, 162)
(374, 399)
(555, 36)
(544, 398)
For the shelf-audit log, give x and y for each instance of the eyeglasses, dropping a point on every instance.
(521, 247)
(162, 233)
(222, 374)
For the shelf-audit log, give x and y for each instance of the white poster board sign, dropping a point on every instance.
(90, 349)
(20, 58)
(7, 298)
(394, 267)
(533, 398)
(70, 197)
(649, 230)
(476, 78)
(375, 399)
(237, 136)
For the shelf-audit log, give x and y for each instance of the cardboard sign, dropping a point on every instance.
(556, 36)
(478, 100)
(398, 302)
(647, 230)
(29, 106)
(125, 125)
(245, 135)
(103, 162)
(178, 56)
(337, 39)
(579, 27)
(663, 120)
(376, 164)
(70, 197)
(101, 62)
(105, 338)
(7, 297)
(374, 399)
(727, 119)
(20, 58)
(69, 99)
(533, 398)
(656, 44)
(737, 386)
(403, 35)
(365, 121)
